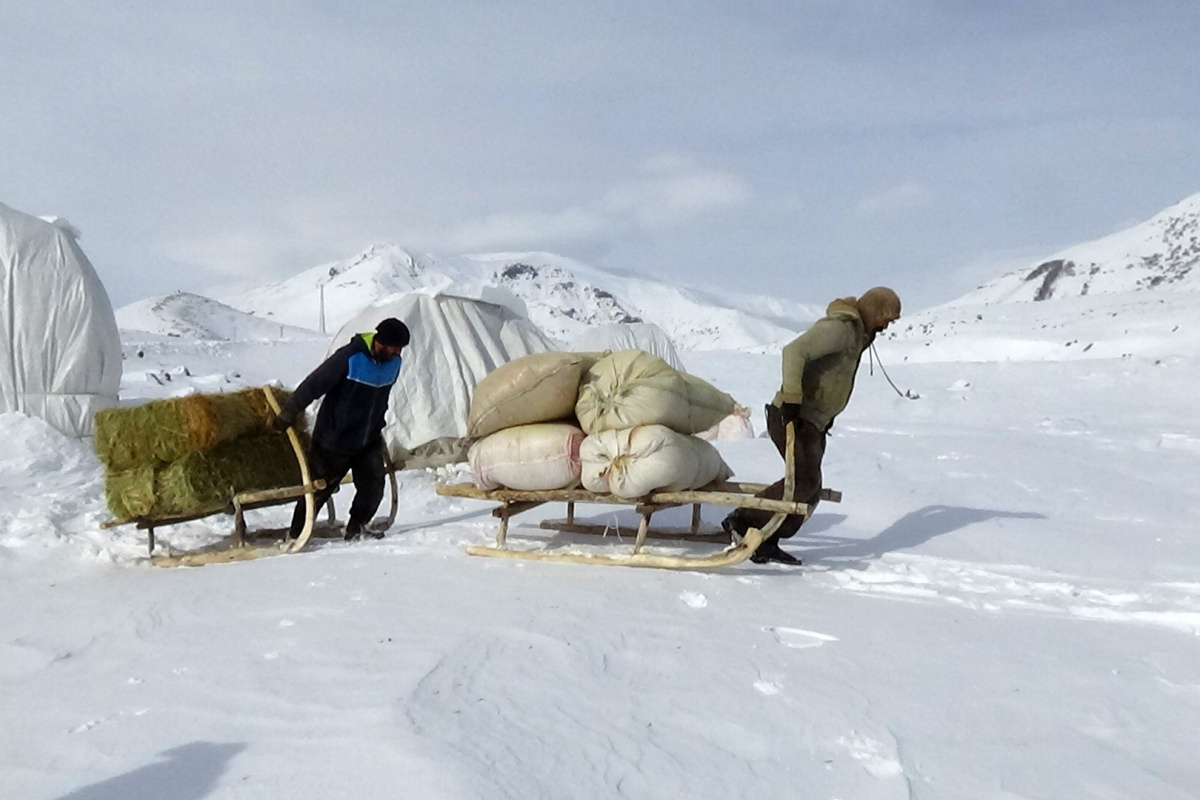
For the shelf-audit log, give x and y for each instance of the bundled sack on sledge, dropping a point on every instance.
(201, 483)
(734, 427)
(632, 387)
(542, 387)
(167, 430)
(534, 457)
(632, 463)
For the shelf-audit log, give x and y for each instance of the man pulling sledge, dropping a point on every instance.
(356, 382)
(818, 376)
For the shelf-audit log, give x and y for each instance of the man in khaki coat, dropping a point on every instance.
(818, 376)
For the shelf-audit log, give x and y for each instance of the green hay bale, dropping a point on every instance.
(167, 430)
(130, 493)
(200, 483)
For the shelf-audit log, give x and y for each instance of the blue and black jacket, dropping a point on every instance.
(356, 388)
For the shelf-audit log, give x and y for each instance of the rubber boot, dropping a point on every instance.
(770, 552)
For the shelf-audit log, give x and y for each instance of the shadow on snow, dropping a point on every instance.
(911, 530)
(189, 772)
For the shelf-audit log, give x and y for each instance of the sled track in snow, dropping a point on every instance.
(996, 589)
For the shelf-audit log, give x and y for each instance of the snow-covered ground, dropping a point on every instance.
(1006, 604)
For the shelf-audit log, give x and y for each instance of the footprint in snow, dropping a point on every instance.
(694, 599)
(800, 639)
(768, 687)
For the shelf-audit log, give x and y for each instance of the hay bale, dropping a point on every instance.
(168, 430)
(130, 493)
(200, 483)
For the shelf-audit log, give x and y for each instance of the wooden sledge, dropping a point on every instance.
(736, 495)
(238, 548)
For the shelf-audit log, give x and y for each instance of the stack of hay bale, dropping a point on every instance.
(189, 455)
(619, 423)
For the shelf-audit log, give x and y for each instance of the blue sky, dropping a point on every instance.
(808, 149)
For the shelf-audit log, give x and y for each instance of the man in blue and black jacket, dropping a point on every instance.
(356, 382)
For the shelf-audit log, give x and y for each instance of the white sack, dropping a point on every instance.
(529, 457)
(633, 387)
(634, 462)
(537, 388)
(60, 351)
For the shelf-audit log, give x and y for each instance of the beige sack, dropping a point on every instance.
(634, 462)
(528, 457)
(541, 387)
(632, 387)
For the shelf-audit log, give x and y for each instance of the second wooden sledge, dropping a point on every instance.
(729, 494)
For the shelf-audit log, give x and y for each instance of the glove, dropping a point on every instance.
(789, 412)
(282, 422)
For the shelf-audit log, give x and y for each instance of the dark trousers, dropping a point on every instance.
(367, 466)
(806, 455)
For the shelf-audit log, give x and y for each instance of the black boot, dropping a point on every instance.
(736, 532)
(770, 551)
(356, 530)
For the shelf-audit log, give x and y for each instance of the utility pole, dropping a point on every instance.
(322, 288)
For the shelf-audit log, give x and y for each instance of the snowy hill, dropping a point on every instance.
(192, 316)
(1129, 294)
(342, 288)
(1159, 254)
(562, 295)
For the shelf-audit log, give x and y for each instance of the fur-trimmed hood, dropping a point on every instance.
(877, 308)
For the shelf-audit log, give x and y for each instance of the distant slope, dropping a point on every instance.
(192, 316)
(1162, 253)
(562, 296)
(1131, 294)
(343, 287)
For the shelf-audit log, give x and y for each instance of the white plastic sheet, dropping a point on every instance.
(456, 341)
(61, 348)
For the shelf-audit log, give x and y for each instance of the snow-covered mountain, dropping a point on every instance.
(1162, 253)
(1133, 293)
(192, 316)
(563, 296)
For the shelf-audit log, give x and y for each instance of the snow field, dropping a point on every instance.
(1005, 604)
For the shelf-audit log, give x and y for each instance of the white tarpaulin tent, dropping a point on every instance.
(61, 356)
(459, 335)
(628, 336)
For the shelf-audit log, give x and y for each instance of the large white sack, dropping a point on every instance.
(634, 462)
(542, 387)
(632, 387)
(529, 457)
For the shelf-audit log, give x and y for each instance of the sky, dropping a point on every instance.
(801, 149)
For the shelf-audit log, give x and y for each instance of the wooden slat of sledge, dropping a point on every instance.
(664, 499)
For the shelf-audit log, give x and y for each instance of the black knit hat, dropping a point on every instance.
(392, 333)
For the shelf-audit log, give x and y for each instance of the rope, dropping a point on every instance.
(907, 393)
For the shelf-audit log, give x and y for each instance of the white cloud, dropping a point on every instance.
(671, 191)
(897, 200)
